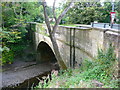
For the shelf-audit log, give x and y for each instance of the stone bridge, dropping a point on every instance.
(75, 43)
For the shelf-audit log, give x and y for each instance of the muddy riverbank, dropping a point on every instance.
(26, 76)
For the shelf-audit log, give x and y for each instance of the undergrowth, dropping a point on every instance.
(92, 74)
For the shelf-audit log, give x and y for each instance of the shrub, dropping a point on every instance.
(106, 57)
(7, 57)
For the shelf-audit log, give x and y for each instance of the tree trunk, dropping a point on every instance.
(57, 53)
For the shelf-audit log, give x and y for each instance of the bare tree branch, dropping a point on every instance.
(21, 8)
(15, 11)
(52, 35)
(61, 16)
(13, 3)
(54, 15)
(46, 16)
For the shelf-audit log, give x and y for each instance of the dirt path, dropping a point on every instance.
(19, 74)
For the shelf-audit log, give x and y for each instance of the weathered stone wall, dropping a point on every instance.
(81, 43)
(87, 42)
(114, 38)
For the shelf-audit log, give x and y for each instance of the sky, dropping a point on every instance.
(50, 2)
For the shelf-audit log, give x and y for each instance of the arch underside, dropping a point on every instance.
(45, 53)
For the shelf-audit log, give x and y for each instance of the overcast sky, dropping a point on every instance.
(50, 2)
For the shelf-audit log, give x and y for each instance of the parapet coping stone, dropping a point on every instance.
(86, 26)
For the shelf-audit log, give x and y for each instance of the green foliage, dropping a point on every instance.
(100, 69)
(92, 74)
(106, 57)
(44, 82)
(7, 57)
(10, 36)
(87, 12)
(9, 39)
(18, 49)
(21, 12)
(71, 25)
(87, 64)
(15, 16)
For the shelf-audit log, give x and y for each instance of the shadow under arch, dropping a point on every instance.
(45, 53)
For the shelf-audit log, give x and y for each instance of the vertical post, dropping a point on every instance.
(113, 6)
(104, 25)
(111, 25)
(30, 31)
(92, 24)
(70, 48)
(74, 48)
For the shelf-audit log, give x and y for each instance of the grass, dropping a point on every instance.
(71, 25)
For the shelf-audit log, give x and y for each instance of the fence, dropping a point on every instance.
(106, 25)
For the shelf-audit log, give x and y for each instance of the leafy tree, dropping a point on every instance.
(87, 12)
(15, 16)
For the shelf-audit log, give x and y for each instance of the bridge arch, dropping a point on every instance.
(45, 53)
